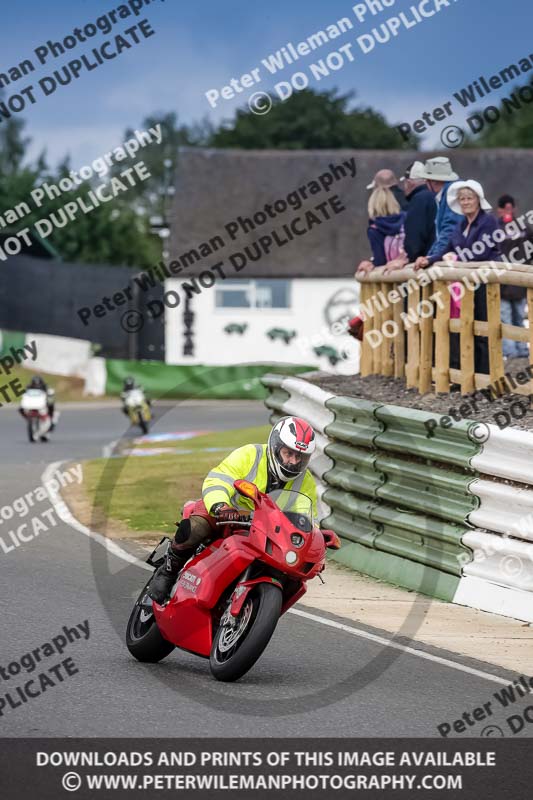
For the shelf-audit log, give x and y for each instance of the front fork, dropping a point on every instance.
(241, 592)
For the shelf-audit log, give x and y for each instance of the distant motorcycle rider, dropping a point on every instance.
(128, 386)
(37, 382)
(281, 463)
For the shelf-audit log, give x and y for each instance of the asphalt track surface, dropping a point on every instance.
(314, 679)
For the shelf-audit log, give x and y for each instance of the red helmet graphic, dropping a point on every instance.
(290, 446)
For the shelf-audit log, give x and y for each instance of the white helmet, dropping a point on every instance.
(298, 436)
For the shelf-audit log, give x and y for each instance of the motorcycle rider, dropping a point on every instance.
(281, 463)
(128, 386)
(37, 382)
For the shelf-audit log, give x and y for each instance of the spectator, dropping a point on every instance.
(467, 199)
(385, 229)
(513, 298)
(506, 208)
(386, 179)
(440, 178)
(420, 218)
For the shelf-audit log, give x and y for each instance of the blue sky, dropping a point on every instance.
(202, 46)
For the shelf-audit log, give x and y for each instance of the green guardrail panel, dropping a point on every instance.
(349, 481)
(418, 525)
(359, 530)
(430, 489)
(349, 504)
(353, 470)
(429, 552)
(431, 475)
(441, 504)
(408, 430)
(355, 421)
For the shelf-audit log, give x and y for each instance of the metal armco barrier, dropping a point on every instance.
(406, 498)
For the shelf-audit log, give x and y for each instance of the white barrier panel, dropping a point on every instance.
(95, 377)
(486, 596)
(308, 401)
(323, 509)
(506, 454)
(59, 355)
(321, 463)
(503, 508)
(502, 560)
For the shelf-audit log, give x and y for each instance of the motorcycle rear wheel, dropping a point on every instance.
(236, 649)
(143, 639)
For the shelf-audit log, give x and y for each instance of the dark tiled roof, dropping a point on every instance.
(214, 187)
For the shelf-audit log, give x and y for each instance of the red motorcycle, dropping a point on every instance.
(228, 598)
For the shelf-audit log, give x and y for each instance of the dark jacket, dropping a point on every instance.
(420, 222)
(378, 229)
(401, 199)
(446, 222)
(483, 223)
(509, 246)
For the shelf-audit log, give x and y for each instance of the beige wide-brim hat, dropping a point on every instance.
(455, 188)
(439, 169)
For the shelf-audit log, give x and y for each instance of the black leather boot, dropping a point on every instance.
(165, 575)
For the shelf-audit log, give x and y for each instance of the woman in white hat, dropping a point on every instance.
(473, 240)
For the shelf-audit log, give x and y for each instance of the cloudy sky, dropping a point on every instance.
(203, 45)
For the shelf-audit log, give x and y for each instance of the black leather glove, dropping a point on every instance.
(225, 513)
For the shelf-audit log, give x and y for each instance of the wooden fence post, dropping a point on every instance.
(442, 338)
(426, 342)
(387, 365)
(399, 340)
(497, 369)
(413, 341)
(467, 342)
(366, 351)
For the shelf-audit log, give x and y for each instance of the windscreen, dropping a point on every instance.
(297, 507)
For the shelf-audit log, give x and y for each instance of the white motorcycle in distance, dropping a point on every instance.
(137, 408)
(34, 409)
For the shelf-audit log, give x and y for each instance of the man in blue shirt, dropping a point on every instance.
(439, 176)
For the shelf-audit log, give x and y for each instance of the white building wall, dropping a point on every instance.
(314, 305)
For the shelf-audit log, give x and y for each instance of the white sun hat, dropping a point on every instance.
(455, 188)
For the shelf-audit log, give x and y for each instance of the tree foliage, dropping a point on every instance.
(514, 128)
(310, 120)
(112, 233)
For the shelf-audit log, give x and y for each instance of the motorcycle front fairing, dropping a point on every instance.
(187, 619)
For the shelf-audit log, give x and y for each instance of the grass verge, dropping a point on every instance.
(141, 497)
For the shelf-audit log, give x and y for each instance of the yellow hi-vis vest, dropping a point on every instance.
(248, 463)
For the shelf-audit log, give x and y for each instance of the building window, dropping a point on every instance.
(260, 293)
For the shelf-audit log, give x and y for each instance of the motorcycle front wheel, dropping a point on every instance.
(143, 639)
(143, 424)
(237, 647)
